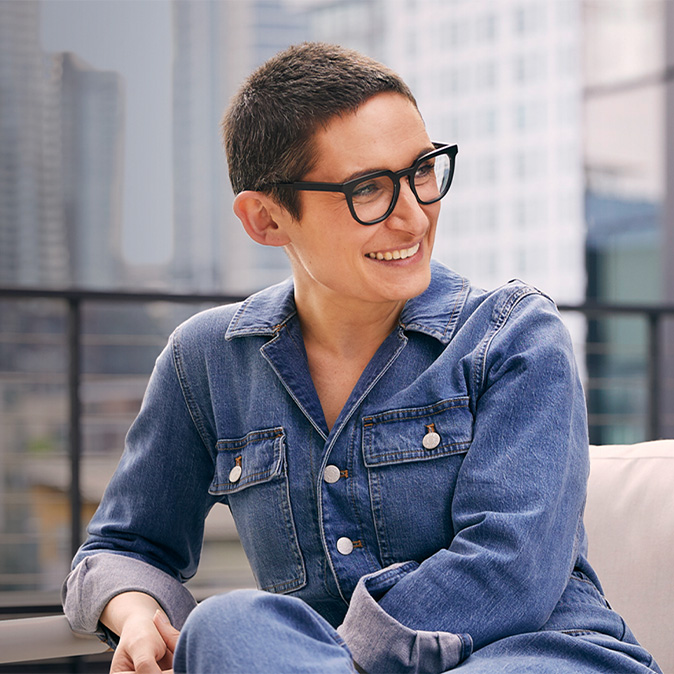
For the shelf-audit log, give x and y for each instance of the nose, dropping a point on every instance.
(408, 214)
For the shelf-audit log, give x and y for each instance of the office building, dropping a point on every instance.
(33, 248)
(216, 45)
(628, 160)
(91, 144)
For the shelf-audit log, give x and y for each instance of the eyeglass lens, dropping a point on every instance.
(373, 197)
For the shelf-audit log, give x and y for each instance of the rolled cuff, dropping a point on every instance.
(379, 643)
(102, 576)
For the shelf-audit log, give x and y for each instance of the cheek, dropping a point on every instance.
(433, 212)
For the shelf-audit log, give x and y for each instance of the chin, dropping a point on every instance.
(412, 289)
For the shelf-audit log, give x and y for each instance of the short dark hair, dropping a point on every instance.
(268, 128)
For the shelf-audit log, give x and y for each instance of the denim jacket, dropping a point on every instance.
(442, 512)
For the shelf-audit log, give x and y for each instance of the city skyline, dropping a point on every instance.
(133, 39)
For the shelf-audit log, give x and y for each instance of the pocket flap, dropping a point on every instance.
(405, 435)
(253, 459)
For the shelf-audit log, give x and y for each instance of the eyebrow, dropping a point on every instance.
(366, 172)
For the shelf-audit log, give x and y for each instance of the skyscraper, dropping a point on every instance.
(503, 81)
(216, 45)
(61, 126)
(33, 248)
(91, 143)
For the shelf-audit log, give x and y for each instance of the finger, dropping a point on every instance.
(168, 633)
(121, 663)
(145, 665)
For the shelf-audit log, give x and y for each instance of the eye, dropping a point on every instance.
(371, 189)
(425, 170)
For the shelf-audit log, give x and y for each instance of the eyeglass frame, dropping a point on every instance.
(347, 188)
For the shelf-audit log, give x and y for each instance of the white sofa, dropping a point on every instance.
(630, 523)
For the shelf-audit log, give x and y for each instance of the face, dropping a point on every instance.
(335, 258)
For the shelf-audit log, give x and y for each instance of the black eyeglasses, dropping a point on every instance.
(372, 197)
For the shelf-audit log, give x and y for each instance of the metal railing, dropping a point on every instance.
(74, 300)
(654, 317)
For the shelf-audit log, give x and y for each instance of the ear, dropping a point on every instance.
(262, 218)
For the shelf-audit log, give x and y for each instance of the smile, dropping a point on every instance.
(402, 254)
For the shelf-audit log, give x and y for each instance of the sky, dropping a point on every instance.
(133, 38)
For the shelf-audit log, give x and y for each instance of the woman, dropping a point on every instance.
(405, 456)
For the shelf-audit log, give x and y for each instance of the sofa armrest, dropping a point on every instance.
(629, 520)
(43, 638)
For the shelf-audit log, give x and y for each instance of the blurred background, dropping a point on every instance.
(116, 220)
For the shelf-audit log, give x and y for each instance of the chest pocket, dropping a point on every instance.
(413, 457)
(251, 472)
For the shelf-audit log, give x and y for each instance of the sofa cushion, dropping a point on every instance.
(629, 519)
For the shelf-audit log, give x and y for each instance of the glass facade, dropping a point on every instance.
(625, 167)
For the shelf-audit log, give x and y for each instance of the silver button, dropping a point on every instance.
(431, 440)
(235, 474)
(345, 546)
(331, 474)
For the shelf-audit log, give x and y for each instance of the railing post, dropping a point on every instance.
(654, 359)
(75, 420)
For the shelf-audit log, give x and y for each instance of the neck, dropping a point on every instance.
(340, 337)
(343, 326)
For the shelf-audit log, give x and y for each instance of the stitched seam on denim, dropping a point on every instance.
(446, 334)
(576, 632)
(254, 436)
(459, 303)
(252, 478)
(586, 581)
(416, 455)
(385, 576)
(249, 480)
(237, 316)
(498, 321)
(288, 390)
(300, 568)
(235, 331)
(408, 413)
(299, 346)
(351, 487)
(381, 530)
(188, 396)
(337, 430)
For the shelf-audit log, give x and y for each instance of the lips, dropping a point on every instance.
(401, 254)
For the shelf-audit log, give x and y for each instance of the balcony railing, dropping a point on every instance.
(650, 353)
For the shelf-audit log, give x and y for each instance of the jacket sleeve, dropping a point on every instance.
(147, 532)
(517, 507)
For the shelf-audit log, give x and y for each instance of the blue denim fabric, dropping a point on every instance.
(266, 633)
(461, 460)
(278, 633)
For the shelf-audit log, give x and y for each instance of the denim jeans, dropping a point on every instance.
(252, 632)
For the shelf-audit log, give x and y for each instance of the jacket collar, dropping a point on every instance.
(435, 312)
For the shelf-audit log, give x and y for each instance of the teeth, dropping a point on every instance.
(395, 254)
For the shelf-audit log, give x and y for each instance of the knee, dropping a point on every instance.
(232, 610)
(254, 631)
(213, 632)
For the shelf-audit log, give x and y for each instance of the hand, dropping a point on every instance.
(145, 646)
